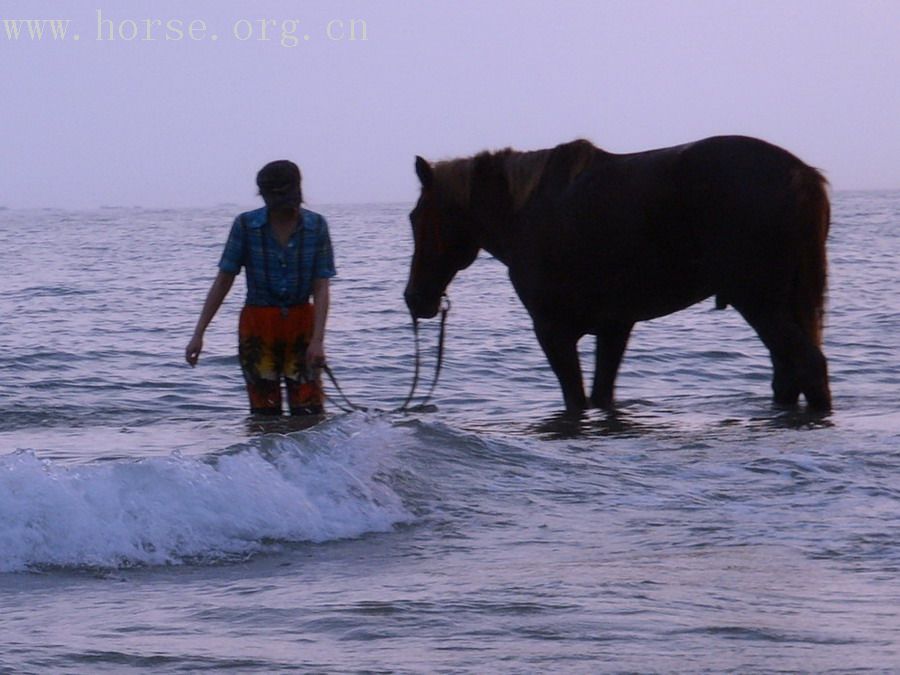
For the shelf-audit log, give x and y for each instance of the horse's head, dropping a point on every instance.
(443, 235)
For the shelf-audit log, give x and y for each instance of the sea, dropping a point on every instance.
(148, 524)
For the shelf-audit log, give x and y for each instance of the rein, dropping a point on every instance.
(347, 405)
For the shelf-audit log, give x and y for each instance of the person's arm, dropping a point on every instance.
(315, 352)
(217, 292)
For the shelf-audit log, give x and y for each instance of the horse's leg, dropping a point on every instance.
(799, 365)
(785, 385)
(611, 342)
(812, 376)
(561, 348)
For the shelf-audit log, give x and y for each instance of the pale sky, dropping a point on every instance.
(188, 122)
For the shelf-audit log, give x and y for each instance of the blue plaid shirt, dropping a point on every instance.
(278, 276)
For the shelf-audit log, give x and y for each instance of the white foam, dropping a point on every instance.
(315, 486)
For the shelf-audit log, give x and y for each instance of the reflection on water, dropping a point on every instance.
(586, 424)
(257, 425)
(797, 418)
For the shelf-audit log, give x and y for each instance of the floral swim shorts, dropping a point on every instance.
(272, 346)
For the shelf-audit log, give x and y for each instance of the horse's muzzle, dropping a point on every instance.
(420, 308)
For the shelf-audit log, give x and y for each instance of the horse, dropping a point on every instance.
(595, 242)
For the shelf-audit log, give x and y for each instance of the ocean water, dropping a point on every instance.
(147, 524)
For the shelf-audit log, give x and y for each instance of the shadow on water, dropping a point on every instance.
(634, 418)
(793, 418)
(258, 425)
(588, 424)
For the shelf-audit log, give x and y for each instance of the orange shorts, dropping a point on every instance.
(272, 345)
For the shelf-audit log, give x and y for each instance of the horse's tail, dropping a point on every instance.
(813, 214)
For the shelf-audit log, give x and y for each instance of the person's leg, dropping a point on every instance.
(304, 387)
(257, 349)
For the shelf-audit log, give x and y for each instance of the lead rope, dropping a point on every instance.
(350, 406)
(445, 309)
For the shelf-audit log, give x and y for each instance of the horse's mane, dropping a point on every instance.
(454, 176)
(523, 170)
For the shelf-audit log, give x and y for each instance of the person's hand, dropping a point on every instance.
(315, 354)
(192, 352)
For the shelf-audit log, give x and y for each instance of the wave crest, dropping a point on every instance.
(316, 486)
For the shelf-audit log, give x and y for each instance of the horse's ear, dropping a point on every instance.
(424, 172)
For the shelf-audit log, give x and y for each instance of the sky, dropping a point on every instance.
(172, 104)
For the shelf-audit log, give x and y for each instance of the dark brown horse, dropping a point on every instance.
(595, 242)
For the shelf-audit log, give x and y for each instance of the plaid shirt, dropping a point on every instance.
(278, 276)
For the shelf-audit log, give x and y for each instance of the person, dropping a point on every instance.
(287, 254)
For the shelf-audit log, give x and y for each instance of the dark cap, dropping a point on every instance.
(279, 184)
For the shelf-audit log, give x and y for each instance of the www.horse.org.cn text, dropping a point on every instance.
(287, 32)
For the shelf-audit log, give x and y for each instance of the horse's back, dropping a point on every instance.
(759, 205)
(649, 233)
(738, 168)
